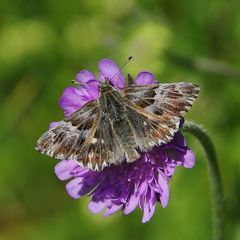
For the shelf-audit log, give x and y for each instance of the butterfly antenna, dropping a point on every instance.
(77, 83)
(74, 81)
(126, 62)
(121, 68)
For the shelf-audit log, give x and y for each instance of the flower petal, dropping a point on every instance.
(76, 188)
(92, 87)
(96, 207)
(84, 76)
(163, 184)
(131, 204)
(169, 170)
(72, 99)
(144, 78)
(111, 210)
(179, 140)
(53, 124)
(110, 71)
(189, 159)
(149, 205)
(80, 172)
(63, 169)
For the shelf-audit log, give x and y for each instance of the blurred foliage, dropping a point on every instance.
(43, 44)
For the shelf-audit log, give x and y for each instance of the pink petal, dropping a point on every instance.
(169, 170)
(144, 78)
(72, 99)
(163, 184)
(92, 87)
(53, 124)
(111, 210)
(80, 171)
(149, 206)
(96, 207)
(76, 188)
(152, 204)
(145, 217)
(143, 188)
(63, 169)
(189, 159)
(110, 71)
(179, 139)
(131, 204)
(84, 76)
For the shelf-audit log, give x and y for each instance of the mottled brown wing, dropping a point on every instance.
(66, 140)
(104, 149)
(87, 136)
(155, 110)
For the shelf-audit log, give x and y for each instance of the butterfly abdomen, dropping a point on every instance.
(112, 104)
(126, 138)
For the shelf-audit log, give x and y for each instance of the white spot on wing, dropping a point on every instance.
(96, 168)
(104, 164)
(89, 165)
(94, 140)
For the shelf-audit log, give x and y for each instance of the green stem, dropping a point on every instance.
(217, 197)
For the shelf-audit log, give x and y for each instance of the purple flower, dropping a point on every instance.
(141, 183)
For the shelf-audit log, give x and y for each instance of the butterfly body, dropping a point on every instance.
(120, 124)
(114, 111)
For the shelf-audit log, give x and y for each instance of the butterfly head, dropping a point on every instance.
(105, 86)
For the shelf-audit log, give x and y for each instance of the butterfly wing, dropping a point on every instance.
(155, 111)
(104, 149)
(66, 139)
(86, 136)
(89, 136)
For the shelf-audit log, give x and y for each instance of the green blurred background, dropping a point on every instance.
(43, 44)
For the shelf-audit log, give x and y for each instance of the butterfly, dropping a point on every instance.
(120, 124)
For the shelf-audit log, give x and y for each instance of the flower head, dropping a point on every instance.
(141, 183)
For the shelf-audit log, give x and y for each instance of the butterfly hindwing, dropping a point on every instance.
(105, 147)
(86, 136)
(66, 139)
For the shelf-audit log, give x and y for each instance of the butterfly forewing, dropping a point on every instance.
(120, 124)
(168, 100)
(156, 111)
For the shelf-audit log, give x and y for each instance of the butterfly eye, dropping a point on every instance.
(106, 84)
